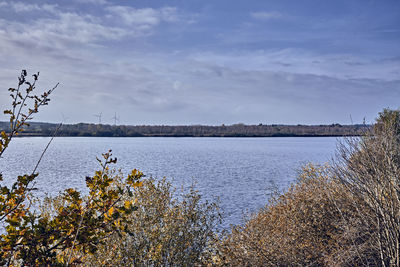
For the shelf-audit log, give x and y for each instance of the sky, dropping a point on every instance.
(212, 62)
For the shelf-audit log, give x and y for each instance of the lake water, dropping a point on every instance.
(240, 171)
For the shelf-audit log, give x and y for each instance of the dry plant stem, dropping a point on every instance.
(33, 172)
(16, 124)
(47, 146)
(334, 201)
(73, 243)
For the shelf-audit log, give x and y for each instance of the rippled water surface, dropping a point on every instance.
(240, 171)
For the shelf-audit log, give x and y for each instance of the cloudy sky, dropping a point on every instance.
(205, 61)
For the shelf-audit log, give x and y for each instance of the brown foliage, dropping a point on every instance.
(370, 170)
(302, 227)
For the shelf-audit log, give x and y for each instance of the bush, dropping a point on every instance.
(78, 225)
(164, 231)
(369, 169)
(298, 228)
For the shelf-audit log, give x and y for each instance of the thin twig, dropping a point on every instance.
(47, 146)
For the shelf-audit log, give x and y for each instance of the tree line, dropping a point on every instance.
(235, 130)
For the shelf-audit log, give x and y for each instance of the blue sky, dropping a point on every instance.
(206, 62)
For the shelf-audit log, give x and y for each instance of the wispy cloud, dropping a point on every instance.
(20, 7)
(96, 2)
(144, 17)
(299, 61)
(59, 32)
(61, 28)
(265, 15)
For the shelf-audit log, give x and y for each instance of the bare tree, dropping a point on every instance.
(369, 168)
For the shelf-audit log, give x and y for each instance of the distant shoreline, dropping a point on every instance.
(181, 136)
(39, 129)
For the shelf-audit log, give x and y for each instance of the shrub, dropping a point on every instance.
(302, 227)
(166, 230)
(78, 225)
(369, 169)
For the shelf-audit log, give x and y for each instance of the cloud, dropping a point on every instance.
(342, 66)
(23, 7)
(60, 32)
(170, 14)
(96, 2)
(155, 89)
(60, 29)
(56, 27)
(266, 15)
(177, 85)
(144, 17)
(20, 7)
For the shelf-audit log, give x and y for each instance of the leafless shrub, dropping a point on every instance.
(302, 227)
(369, 169)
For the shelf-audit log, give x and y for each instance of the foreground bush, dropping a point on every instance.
(166, 230)
(370, 170)
(302, 227)
(79, 224)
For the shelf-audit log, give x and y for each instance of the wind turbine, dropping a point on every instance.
(98, 116)
(115, 118)
(64, 118)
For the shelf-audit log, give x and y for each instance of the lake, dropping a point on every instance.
(240, 171)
